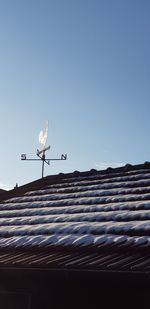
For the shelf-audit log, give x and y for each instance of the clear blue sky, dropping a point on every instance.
(85, 66)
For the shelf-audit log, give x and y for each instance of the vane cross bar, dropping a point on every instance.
(43, 158)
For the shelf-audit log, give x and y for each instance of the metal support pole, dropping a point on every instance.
(43, 161)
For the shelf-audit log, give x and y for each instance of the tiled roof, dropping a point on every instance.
(80, 260)
(96, 219)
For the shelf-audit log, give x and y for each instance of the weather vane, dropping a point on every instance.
(41, 153)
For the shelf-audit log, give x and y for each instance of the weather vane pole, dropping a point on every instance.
(41, 153)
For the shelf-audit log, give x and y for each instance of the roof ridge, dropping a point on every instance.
(58, 178)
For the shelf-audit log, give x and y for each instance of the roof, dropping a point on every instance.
(97, 220)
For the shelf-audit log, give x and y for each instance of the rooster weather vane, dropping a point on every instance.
(41, 153)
